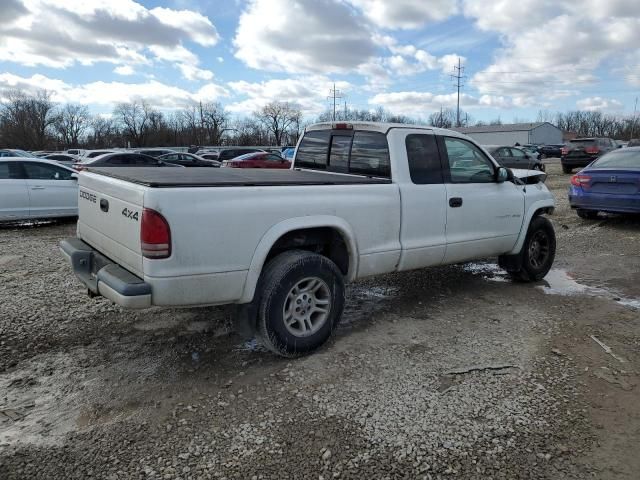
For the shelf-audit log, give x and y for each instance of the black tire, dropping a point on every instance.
(280, 276)
(536, 259)
(566, 169)
(587, 214)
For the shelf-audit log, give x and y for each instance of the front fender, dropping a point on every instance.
(278, 230)
(533, 209)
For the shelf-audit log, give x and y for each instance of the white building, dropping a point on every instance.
(541, 133)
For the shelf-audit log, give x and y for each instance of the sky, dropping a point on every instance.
(519, 57)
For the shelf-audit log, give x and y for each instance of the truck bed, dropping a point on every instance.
(229, 177)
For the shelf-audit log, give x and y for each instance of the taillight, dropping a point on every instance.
(580, 180)
(79, 168)
(591, 150)
(564, 151)
(155, 235)
(342, 126)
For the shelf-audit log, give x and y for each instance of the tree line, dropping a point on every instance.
(35, 122)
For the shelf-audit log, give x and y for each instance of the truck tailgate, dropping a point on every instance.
(110, 212)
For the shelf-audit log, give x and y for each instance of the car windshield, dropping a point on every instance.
(582, 143)
(21, 153)
(246, 156)
(627, 159)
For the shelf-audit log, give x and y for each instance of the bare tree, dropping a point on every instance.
(278, 118)
(27, 119)
(213, 119)
(133, 118)
(71, 123)
(445, 118)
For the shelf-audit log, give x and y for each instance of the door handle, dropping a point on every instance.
(37, 188)
(455, 202)
(104, 205)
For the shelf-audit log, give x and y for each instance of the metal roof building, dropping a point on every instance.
(539, 133)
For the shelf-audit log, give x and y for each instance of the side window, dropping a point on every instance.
(339, 156)
(42, 171)
(313, 150)
(467, 163)
(370, 154)
(273, 158)
(424, 159)
(503, 152)
(4, 171)
(517, 154)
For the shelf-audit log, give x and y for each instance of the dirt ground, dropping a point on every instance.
(452, 372)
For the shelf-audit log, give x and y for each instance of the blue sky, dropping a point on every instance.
(519, 57)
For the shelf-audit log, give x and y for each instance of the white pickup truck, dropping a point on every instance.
(362, 199)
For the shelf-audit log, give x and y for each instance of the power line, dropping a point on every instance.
(458, 76)
(335, 94)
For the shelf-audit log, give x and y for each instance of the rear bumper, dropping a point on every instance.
(104, 277)
(604, 202)
(577, 161)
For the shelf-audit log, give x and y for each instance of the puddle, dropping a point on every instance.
(489, 271)
(561, 282)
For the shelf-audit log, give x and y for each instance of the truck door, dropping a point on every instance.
(424, 197)
(484, 217)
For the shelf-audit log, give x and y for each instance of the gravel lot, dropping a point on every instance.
(451, 372)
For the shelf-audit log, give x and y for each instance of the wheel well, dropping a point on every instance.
(325, 241)
(543, 211)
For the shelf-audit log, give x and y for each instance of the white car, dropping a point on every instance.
(32, 188)
(362, 199)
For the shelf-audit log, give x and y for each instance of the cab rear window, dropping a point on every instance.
(360, 152)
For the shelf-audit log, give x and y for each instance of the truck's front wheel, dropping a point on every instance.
(301, 302)
(537, 254)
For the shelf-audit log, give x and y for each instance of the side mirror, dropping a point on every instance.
(74, 176)
(503, 175)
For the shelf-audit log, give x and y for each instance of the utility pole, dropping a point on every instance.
(458, 76)
(335, 94)
(633, 122)
(345, 110)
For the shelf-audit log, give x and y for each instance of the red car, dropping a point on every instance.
(258, 160)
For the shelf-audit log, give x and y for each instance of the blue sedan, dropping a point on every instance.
(610, 184)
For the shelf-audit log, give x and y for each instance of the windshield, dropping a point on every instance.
(582, 143)
(619, 159)
(21, 153)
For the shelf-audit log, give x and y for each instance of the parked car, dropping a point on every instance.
(154, 152)
(258, 160)
(16, 152)
(209, 156)
(634, 142)
(530, 150)
(188, 160)
(580, 152)
(550, 151)
(514, 157)
(64, 158)
(610, 184)
(281, 244)
(42, 153)
(123, 159)
(229, 153)
(75, 151)
(95, 153)
(32, 188)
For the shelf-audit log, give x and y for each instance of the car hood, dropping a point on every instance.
(529, 176)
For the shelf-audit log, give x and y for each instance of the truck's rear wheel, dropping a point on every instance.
(538, 252)
(301, 302)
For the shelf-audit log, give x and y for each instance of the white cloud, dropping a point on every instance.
(108, 94)
(309, 93)
(599, 104)
(422, 104)
(305, 36)
(556, 47)
(124, 70)
(406, 14)
(60, 34)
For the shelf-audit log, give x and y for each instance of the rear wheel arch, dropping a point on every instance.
(329, 236)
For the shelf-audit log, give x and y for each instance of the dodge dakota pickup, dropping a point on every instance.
(361, 199)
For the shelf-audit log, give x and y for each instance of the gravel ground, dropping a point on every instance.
(451, 372)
